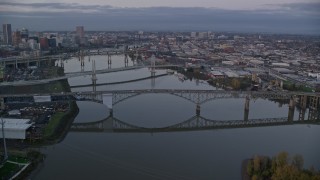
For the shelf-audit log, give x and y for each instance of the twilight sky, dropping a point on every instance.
(274, 16)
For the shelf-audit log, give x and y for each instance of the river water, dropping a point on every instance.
(206, 154)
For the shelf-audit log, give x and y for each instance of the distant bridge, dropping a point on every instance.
(77, 74)
(28, 59)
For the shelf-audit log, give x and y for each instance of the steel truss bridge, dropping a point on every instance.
(195, 96)
(198, 97)
(195, 123)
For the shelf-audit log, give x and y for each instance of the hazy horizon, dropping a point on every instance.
(283, 16)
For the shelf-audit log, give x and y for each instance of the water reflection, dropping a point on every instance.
(207, 154)
(76, 64)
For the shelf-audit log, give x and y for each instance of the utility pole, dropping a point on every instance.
(4, 141)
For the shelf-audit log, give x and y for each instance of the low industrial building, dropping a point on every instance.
(284, 70)
(216, 74)
(15, 128)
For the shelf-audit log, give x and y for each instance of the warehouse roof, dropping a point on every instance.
(15, 124)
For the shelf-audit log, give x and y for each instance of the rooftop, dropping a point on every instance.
(15, 124)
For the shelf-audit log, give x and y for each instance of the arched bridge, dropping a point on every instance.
(114, 97)
(306, 101)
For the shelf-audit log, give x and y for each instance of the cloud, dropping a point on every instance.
(63, 16)
(51, 7)
(310, 8)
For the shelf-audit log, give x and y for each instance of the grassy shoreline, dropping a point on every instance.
(55, 131)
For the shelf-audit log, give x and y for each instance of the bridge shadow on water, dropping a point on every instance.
(120, 82)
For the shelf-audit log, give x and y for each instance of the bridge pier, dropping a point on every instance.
(94, 76)
(313, 109)
(303, 107)
(198, 108)
(291, 110)
(111, 113)
(61, 63)
(126, 61)
(153, 70)
(153, 81)
(109, 61)
(81, 58)
(246, 109)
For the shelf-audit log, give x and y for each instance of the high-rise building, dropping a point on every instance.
(79, 38)
(44, 45)
(16, 38)
(7, 34)
(80, 31)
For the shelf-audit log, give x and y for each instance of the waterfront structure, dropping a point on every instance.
(7, 34)
(15, 128)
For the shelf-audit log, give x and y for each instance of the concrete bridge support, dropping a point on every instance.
(126, 60)
(61, 63)
(111, 112)
(198, 108)
(153, 82)
(303, 107)
(313, 109)
(82, 61)
(94, 76)
(246, 109)
(109, 61)
(291, 109)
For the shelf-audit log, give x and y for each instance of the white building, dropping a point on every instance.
(193, 34)
(15, 128)
(314, 75)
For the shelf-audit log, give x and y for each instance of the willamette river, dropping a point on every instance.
(207, 154)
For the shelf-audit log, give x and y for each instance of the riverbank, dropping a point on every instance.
(56, 129)
(21, 164)
(52, 87)
(60, 123)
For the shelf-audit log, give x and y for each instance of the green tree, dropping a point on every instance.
(274, 164)
(235, 83)
(256, 164)
(316, 177)
(286, 172)
(297, 161)
(250, 168)
(255, 177)
(282, 159)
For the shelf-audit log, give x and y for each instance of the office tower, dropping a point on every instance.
(16, 38)
(80, 31)
(7, 34)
